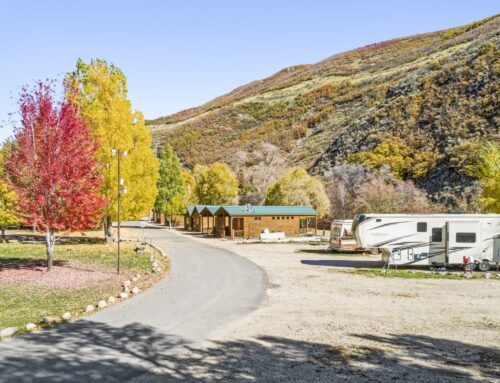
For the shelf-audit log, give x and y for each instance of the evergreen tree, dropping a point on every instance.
(171, 198)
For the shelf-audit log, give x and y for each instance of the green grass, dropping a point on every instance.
(407, 274)
(21, 303)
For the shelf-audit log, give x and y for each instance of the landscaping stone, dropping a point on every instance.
(8, 332)
(50, 320)
(66, 316)
(127, 283)
(467, 275)
(123, 295)
(89, 309)
(30, 327)
(102, 304)
(487, 275)
(137, 276)
(111, 300)
(135, 290)
(135, 279)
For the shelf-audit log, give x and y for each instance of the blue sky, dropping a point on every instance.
(179, 54)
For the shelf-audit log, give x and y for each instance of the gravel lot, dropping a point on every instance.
(321, 323)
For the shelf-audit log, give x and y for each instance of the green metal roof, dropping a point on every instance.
(190, 209)
(268, 210)
(211, 208)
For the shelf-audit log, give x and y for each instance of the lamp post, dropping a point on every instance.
(119, 153)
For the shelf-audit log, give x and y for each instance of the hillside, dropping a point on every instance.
(436, 93)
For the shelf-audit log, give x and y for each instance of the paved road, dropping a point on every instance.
(148, 337)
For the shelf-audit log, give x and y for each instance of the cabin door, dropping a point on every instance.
(463, 239)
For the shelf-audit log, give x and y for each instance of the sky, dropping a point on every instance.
(180, 54)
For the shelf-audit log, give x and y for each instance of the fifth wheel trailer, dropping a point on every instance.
(432, 239)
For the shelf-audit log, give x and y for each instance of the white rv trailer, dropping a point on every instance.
(341, 236)
(432, 239)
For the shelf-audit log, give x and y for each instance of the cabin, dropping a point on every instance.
(250, 221)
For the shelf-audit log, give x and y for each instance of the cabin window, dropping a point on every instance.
(274, 217)
(422, 227)
(378, 220)
(437, 234)
(292, 217)
(465, 238)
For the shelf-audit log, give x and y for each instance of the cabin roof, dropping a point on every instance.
(267, 210)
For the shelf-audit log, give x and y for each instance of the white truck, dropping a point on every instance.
(470, 240)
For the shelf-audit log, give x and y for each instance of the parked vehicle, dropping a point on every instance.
(471, 240)
(341, 236)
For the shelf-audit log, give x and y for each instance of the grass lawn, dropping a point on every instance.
(409, 274)
(83, 274)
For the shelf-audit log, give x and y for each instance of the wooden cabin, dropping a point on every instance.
(199, 218)
(250, 221)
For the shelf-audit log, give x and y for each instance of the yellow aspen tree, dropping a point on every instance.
(100, 90)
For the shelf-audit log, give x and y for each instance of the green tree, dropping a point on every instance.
(9, 211)
(489, 177)
(171, 187)
(215, 185)
(297, 188)
(100, 90)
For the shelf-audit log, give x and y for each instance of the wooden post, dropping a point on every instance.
(201, 223)
(316, 225)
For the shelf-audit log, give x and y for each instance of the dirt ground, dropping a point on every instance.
(320, 323)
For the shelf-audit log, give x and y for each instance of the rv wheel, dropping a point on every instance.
(484, 266)
(469, 266)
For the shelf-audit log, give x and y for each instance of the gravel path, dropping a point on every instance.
(150, 336)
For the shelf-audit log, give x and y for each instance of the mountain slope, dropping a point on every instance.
(435, 92)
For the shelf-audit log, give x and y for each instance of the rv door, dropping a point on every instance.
(463, 239)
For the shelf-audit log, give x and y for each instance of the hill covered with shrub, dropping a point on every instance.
(421, 105)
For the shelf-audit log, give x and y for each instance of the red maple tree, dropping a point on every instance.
(52, 167)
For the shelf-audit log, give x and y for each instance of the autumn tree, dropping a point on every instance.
(380, 196)
(403, 160)
(259, 169)
(297, 188)
(9, 209)
(215, 185)
(343, 183)
(190, 184)
(172, 198)
(489, 177)
(100, 91)
(52, 167)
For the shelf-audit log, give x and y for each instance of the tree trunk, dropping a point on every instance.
(106, 225)
(170, 222)
(3, 234)
(50, 240)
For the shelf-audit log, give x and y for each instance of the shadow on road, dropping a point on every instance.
(352, 263)
(89, 351)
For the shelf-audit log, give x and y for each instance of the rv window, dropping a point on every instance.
(422, 227)
(378, 220)
(466, 238)
(437, 234)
